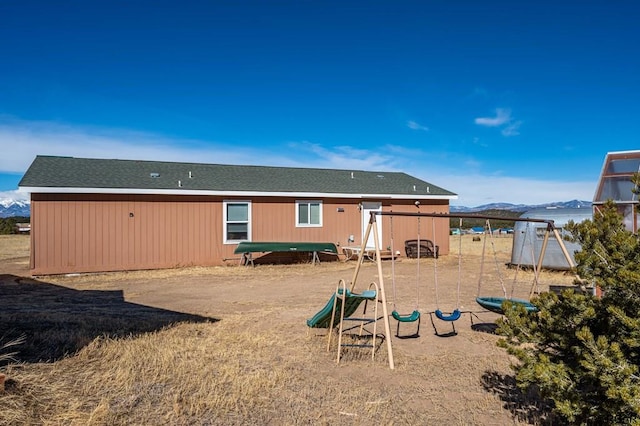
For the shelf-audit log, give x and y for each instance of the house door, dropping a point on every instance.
(368, 207)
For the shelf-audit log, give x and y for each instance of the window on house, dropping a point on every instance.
(237, 224)
(308, 213)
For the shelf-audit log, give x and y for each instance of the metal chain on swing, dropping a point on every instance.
(418, 269)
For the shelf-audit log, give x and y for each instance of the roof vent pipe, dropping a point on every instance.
(428, 190)
(179, 184)
(190, 175)
(414, 188)
(351, 175)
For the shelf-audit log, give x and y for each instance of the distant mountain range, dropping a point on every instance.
(10, 207)
(573, 204)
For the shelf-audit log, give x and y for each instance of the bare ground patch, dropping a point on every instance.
(229, 345)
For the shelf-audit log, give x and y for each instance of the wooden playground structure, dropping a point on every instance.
(344, 303)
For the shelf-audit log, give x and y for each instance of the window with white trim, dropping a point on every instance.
(237, 221)
(308, 213)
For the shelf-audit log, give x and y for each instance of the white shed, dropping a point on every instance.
(528, 237)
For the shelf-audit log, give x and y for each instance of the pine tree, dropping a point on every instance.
(580, 351)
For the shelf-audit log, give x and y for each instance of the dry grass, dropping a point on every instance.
(14, 246)
(201, 374)
(196, 374)
(147, 348)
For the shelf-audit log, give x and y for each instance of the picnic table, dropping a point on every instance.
(352, 253)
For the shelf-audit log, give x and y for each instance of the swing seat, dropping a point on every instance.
(494, 304)
(453, 316)
(415, 315)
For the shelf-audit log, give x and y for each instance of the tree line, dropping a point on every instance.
(8, 224)
(507, 222)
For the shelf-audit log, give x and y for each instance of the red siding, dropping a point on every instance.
(91, 232)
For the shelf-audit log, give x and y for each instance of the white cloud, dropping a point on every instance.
(416, 126)
(462, 176)
(502, 116)
(407, 151)
(345, 157)
(477, 141)
(512, 129)
(15, 195)
(24, 140)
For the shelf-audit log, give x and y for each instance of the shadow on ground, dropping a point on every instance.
(57, 321)
(289, 258)
(526, 406)
(485, 327)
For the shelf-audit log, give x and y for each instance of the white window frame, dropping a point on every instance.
(225, 203)
(308, 203)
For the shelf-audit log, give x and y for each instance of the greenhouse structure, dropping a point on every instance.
(615, 184)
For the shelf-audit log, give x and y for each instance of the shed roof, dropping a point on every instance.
(81, 175)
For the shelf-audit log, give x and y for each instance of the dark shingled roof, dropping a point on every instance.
(69, 172)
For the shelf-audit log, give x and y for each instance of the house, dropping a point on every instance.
(91, 215)
(528, 237)
(22, 228)
(615, 184)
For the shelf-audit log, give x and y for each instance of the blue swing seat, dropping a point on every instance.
(453, 316)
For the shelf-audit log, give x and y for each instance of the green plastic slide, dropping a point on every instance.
(352, 301)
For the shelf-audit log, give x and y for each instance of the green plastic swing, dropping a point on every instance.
(415, 315)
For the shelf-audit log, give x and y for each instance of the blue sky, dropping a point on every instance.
(497, 101)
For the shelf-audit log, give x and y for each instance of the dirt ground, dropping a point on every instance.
(456, 368)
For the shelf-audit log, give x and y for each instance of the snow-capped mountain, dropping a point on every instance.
(573, 204)
(10, 207)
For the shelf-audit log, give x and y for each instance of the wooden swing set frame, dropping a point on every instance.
(550, 230)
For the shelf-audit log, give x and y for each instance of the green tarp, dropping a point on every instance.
(258, 247)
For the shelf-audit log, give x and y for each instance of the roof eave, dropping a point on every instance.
(142, 191)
